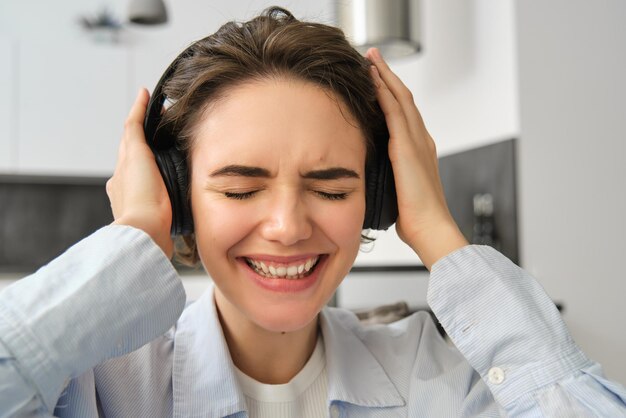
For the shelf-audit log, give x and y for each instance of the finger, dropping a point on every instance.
(110, 190)
(394, 114)
(383, 68)
(133, 128)
(397, 87)
(109, 187)
(415, 122)
(400, 91)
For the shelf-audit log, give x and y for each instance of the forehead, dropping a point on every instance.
(278, 119)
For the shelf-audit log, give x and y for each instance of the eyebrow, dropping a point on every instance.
(332, 173)
(241, 170)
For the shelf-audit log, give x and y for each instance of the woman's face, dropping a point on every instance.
(278, 198)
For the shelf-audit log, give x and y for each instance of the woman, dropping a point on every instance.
(278, 122)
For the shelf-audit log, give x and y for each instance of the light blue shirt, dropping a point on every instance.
(99, 332)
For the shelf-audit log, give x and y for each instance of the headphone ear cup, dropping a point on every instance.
(388, 212)
(381, 204)
(173, 167)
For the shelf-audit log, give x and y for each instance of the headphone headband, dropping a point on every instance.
(381, 208)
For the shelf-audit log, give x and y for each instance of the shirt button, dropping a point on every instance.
(495, 375)
(334, 411)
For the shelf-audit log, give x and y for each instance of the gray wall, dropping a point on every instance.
(572, 71)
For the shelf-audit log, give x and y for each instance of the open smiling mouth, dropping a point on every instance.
(292, 271)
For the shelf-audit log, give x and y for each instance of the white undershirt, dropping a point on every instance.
(303, 396)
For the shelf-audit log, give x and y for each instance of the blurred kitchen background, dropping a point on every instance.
(525, 100)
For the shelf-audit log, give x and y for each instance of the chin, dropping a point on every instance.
(284, 318)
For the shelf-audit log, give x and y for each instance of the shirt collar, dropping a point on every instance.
(204, 379)
(203, 376)
(354, 374)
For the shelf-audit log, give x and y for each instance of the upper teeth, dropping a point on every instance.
(271, 269)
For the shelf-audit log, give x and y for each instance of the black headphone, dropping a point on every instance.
(381, 206)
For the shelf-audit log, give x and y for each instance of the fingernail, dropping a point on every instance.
(374, 71)
(376, 77)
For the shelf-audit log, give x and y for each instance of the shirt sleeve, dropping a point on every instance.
(106, 296)
(510, 331)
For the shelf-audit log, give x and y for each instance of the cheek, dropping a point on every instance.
(343, 224)
(218, 227)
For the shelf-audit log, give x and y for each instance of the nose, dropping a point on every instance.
(288, 220)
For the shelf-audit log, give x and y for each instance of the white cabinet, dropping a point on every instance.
(72, 107)
(7, 106)
(366, 290)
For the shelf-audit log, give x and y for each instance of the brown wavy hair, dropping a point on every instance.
(272, 45)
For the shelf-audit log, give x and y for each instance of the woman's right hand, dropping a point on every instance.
(137, 193)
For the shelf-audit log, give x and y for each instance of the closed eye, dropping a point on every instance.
(240, 196)
(332, 196)
(247, 195)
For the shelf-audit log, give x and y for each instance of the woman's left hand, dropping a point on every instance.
(424, 220)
